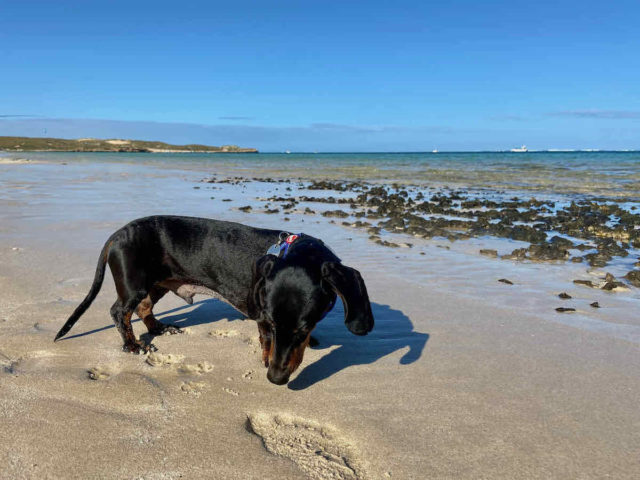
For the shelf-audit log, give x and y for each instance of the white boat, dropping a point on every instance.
(435, 150)
(523, 148)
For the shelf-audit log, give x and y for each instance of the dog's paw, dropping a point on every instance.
(165, 328)
(139, 348)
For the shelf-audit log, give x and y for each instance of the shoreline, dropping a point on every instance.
(462, 377)
(546, 179)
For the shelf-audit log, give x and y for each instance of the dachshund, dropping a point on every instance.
(287, 283)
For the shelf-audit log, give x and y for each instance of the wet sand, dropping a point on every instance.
(462, 377)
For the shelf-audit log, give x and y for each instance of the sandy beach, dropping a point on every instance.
(463, 376)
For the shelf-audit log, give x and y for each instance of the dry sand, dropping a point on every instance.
(497, 391)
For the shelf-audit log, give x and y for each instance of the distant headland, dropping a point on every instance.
(22, 144)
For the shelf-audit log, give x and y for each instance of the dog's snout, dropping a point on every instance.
(278, 377)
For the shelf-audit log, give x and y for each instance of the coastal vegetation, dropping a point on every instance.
(20, 144)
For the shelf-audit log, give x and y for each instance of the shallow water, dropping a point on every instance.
(611, 174)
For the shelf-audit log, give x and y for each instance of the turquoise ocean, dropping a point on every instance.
(606, 174)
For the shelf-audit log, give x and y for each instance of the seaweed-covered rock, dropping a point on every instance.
(610, 283)
(517, 254)
(598, 259)
(527, 234)
(394, 223)
(546, 252)
(634, 277)
(561, 242)
(610, 247)
(335, 213)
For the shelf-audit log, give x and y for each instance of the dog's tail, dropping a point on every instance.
(93, 292)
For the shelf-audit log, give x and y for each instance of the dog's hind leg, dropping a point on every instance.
(145, 312)
(132, 283)
(121, 313)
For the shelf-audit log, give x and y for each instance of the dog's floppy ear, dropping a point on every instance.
(347, 282)
(261, 269)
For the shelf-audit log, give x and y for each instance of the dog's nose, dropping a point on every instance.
(278, 377)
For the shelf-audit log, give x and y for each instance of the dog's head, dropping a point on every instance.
(288, 298)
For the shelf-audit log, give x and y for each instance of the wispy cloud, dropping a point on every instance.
(235, 118)
(510, 118)
(344, 128)
(18, 116)
(596, 113)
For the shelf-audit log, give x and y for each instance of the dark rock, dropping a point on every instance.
(599, 259)
(394, 223)
(489, 252)
(505, 281)
(517, 254)
(547, 252)
(565, 309)
(586, 283)
(561, 242)
(384, 243)
(611, 283)
(335, 213)
(634, 277)
(594, 305)
(527, 234)
(610, 247)
(246, 208)
(564, 296)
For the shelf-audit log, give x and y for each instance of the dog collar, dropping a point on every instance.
(281, 248)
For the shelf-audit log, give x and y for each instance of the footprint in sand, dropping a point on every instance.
(230, 391)
(224, 333)
(248, 375)
(319, 451)
(99, 373)
(193, 388)
(196, 368)
(160, 359)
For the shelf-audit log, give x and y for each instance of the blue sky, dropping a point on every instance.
(325, 76)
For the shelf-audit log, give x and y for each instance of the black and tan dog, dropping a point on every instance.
(287, 290)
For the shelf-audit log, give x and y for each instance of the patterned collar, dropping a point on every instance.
(281, 248)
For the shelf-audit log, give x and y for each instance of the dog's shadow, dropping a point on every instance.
(393, 331)
(205, 311)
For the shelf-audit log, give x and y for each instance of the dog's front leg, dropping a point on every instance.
(266, 342)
